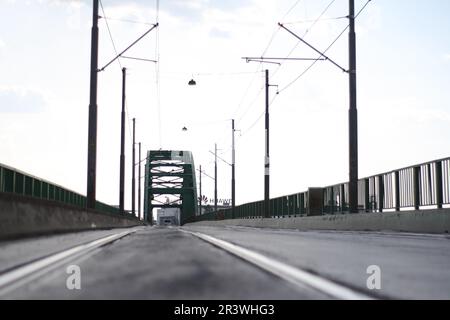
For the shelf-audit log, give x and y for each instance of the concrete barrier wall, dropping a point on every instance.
(26, 216)
(423, 221)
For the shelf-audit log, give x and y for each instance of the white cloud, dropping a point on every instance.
(74, 15)
(219, 33)
(369, 20)
(21, 100)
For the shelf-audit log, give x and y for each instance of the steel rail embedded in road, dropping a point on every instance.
(17, 276)
(289, 273)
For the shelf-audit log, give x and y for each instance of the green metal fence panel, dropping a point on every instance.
(288, 206)
(279, 207)
(15, 181)
(51, 192)
(292, 205)
(28, 186)
(18, 183)
(8, 180)
(37, 188)
(57, 194)
(301, 204)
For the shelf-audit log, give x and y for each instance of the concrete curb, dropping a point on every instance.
(423, 221)
(26, 216)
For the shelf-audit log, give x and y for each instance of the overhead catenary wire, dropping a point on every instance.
(120, 65)
(315, 21)
(257, 69)
(322, 54)
(237, 73)
(325, 51)
(309, 21)
(251, 104)
(110, 34)
(219, 134)
(127, 20)
(244, 132)
(182, 75)
(311, 65)
(207, 123)
(158, 78)
(278, 29)
(245, 93)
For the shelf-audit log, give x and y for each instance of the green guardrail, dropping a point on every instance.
(417, 187)
(20, 183)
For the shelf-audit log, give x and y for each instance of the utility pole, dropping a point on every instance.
(233, 172)
(133, 179)
(266, 155)
(215, 191)
(353, 115)
(122, 147)
(139, 184)
(215, 177)
(201, 196)
(92, 131)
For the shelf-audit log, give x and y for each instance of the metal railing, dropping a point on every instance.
(20, 183)
(416, 187)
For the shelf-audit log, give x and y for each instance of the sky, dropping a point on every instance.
(403, 81)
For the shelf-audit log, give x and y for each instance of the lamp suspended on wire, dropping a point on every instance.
(184, 129)
(192, 82)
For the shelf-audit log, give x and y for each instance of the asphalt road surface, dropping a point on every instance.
(196, 262)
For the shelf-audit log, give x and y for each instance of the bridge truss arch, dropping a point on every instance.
(170, 183)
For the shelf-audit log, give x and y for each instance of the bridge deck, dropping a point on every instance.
(165, 263)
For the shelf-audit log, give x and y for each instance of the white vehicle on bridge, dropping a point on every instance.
(168, 217)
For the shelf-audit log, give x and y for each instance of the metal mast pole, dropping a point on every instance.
(92, 131)
(233, 173)
(215, 177)
(266, 156)
(201, 196)
(133, 179)
(139, 183)
(122, 147)
(353, 115)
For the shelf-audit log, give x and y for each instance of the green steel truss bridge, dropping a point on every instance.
(170, 183)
